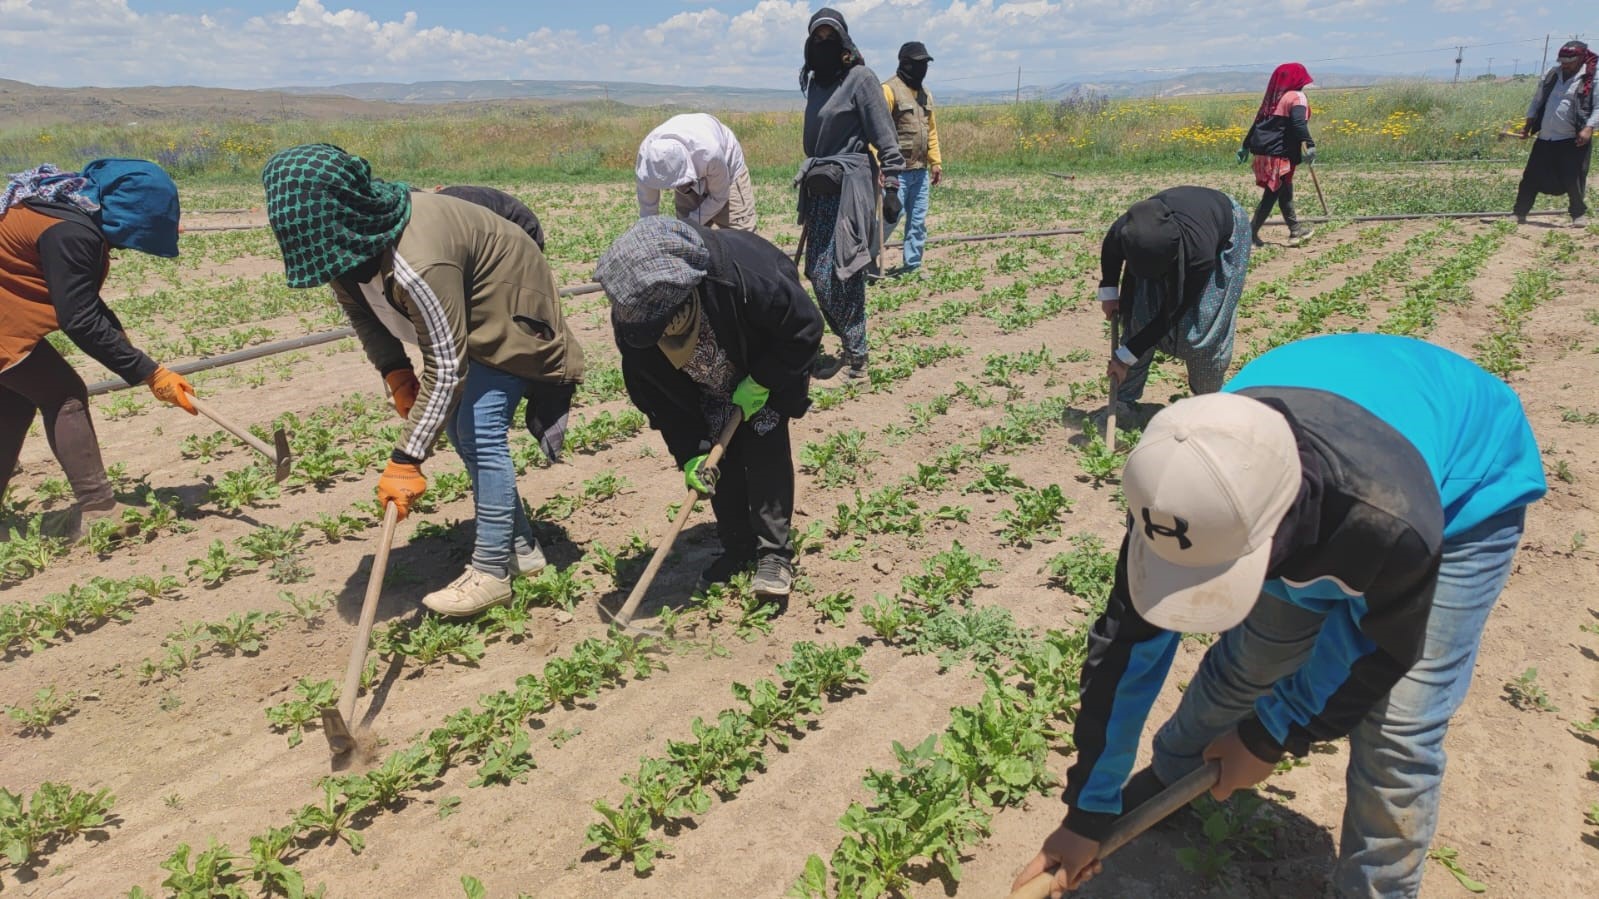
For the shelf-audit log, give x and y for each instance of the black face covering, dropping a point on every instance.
(364, 272)
(912, 71)
(825, 58)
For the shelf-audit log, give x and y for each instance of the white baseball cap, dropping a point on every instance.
(1206, 487)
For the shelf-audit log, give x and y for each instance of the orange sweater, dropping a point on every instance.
(51, 269)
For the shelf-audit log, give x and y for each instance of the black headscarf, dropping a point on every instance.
(827, 61)
(913, 60)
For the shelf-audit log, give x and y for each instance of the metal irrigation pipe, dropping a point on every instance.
(310, 340)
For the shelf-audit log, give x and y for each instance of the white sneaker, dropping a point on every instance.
(469, 594)
(529, 563)
(1580, 221)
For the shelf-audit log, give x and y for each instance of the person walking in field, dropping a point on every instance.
(846, 119)
(1172, 270)
(1562, 115)
(1345, 514)
(709, 323)
(1280, 139)
(911, 106)
(697, 158)
(56, 233)
(473, 293)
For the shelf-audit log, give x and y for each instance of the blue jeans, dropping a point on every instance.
(478, 431)
(1396, 754)
(914, 190)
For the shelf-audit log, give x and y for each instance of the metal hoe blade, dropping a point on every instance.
(285, 458)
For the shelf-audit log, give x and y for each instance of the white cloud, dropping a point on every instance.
(743, 43)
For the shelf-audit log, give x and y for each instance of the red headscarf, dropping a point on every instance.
(1290, 76)
(1590, 61)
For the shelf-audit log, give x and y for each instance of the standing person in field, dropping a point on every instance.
(1562, 115)
(709, 322)
(845, 119)
(1172, 270)
(697, 158)
(473, 293)
(1345, 514)
(1280, 130)
(57, 230)
(911, 106)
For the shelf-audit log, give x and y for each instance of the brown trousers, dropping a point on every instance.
(739, 213)
(45, 383)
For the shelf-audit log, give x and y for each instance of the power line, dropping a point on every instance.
(1457, 49)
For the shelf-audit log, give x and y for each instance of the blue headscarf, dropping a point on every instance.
(138, 205)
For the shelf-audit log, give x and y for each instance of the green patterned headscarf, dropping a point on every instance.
(328, 212)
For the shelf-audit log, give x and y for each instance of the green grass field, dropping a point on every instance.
(1388, 123)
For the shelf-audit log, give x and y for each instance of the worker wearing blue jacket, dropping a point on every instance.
(1345, 513)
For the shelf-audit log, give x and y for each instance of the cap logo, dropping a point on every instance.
(1179, 531)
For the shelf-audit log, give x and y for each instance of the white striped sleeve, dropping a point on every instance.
(443, 359)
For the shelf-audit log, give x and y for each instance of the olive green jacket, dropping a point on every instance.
(461, 284)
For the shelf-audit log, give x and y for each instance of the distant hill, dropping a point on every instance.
(754, 99)
(631, 93)
(31, 106)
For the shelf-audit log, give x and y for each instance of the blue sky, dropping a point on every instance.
(977, 44)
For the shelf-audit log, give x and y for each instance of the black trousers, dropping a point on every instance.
(45, 383)
(754, 500)
(1284, 196)
(1556, 167)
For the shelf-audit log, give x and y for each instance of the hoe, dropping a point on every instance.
(624, 617)
(1127, 828)
(336, 720)
(279, 453)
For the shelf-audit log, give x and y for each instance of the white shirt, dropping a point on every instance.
(693, 152)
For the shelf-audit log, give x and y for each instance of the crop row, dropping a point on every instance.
(721, 757)
(494, 735)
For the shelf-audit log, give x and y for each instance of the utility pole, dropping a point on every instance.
(1490, 65)
(1018, 84)
(1460, 53)
(1515, 66)
(1544, 65)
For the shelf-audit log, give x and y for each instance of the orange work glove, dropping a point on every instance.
(403, 387)
(171, 387)
(401, 482)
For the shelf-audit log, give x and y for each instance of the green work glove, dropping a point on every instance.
(750, 396)
(699, 477)
(1243, 156)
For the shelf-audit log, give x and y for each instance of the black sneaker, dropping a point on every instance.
(723, 568)
(855, 367)
(774, 576)
(826, 367)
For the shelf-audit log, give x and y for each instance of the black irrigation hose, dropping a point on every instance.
(279, 346)
(1412, 216)
(310, 340)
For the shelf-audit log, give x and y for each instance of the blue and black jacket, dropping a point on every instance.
(1404, 446)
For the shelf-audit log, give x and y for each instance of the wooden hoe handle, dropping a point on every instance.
(625, 615)
(250, 439)
(1127, 828)
(369, 614)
